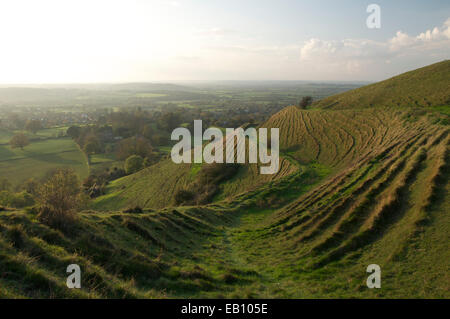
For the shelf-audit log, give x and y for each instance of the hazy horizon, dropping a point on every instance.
(180, 82)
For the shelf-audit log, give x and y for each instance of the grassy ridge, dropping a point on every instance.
(155, 186)
(122, 255)
(424, 87)
(151, 188)
(341, 138)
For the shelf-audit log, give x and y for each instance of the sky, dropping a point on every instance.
(91, 41)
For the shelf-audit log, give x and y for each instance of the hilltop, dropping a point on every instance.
(425, 87)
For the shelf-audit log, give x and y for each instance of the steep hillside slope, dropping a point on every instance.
(424, 87)
(376, 211)
(156, 186)
(339, 138)
(120, 255)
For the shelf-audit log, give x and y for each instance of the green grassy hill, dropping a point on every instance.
(155, 186)
(359, 186)
(424, 87)
(310, 234)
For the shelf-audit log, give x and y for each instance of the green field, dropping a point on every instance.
(5, 135)
(36, 159)
(103, 161)
(149, 95)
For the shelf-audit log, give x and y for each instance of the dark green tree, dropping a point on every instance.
(133, 164)
(305, 102)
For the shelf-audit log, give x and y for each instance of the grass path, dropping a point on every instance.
(237, 270)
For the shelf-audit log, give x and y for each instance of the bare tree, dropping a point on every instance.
(58, 198)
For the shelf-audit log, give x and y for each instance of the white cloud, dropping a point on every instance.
(353, 56)
(436, 35)
(349, 48)
(314, 47)
(442, 33)
(233, 54)
(400, 40)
